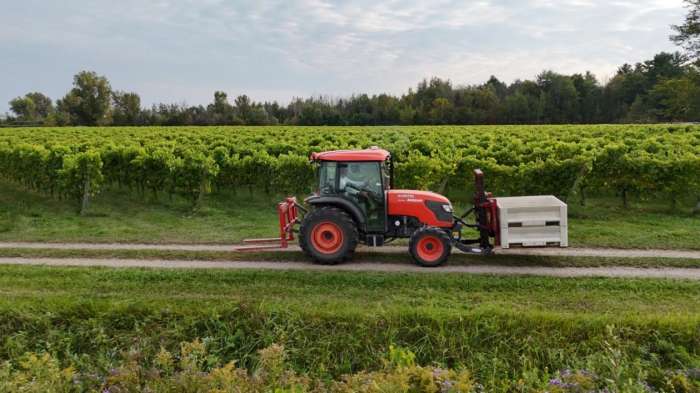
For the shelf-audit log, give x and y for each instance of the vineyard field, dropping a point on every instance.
(564, 160)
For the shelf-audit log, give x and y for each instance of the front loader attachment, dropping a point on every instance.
(287, 211)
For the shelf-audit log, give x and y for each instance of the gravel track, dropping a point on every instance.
(672, 273)
(552, 251)
(610, 271)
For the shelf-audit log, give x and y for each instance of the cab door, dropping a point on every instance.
(362, 184)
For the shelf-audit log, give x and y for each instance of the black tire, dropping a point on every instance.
(342, 235)
(430, 247)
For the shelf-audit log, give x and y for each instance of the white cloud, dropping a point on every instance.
(183, 50)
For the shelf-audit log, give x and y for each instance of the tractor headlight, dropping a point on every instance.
(447, 208)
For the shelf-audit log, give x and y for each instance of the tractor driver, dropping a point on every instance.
(356, 182)
(351, 180)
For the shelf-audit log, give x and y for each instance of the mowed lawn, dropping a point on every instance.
(119, 216)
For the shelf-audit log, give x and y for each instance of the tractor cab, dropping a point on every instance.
(356, 181)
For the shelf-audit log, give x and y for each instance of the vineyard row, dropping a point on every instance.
(77, 164)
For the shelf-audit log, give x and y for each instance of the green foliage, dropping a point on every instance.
(421, 172)
(192, 175)
(660, 89)
(89, 101)
(293, 173)
(37, 373)
(257, 170)
(126, 108)
(150, 169)
(502, 330)
(644, 160)
(32, 107)
(194, 370)
(198, 365)
(81, 175)
(688, 34)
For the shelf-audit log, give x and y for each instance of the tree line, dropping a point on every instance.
(662, 89)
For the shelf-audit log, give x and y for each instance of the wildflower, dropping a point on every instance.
(446, 385)
(556, 382)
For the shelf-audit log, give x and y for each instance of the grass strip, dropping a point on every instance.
(333, 323)
(292, 256)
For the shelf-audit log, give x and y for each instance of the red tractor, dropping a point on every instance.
(355, 203)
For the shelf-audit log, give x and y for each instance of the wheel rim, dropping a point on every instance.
(327, 237)
(430, 248)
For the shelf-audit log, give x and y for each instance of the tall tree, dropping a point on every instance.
(560, 98)
(127, 108)
(688, 34)
(678, 99)
(32, 107)
(88, 102)
(243, 107)
(498, 87)
(221, 112)
(589, 93)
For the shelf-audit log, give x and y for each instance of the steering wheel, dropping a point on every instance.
(363, 189)
(354, 187)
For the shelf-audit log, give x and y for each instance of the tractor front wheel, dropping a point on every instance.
(328, 235)
(430, 247)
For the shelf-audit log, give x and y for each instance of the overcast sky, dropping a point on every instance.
(182, 51)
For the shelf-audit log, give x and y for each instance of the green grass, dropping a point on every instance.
(501, 328)
(119, 216)
(645, 224)
(364, 293)
(125, 217)
(375, 257)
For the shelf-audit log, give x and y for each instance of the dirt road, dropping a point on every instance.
(673, 273)
(572, 251)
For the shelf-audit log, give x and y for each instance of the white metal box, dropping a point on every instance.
(538, 220)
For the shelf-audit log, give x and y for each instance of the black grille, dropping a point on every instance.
(440, 213)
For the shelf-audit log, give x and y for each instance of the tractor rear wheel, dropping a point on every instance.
(328, 235)
(430, 247)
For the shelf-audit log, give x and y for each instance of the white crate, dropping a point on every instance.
(538, 220)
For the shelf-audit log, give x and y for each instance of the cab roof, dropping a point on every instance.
(372, 154)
